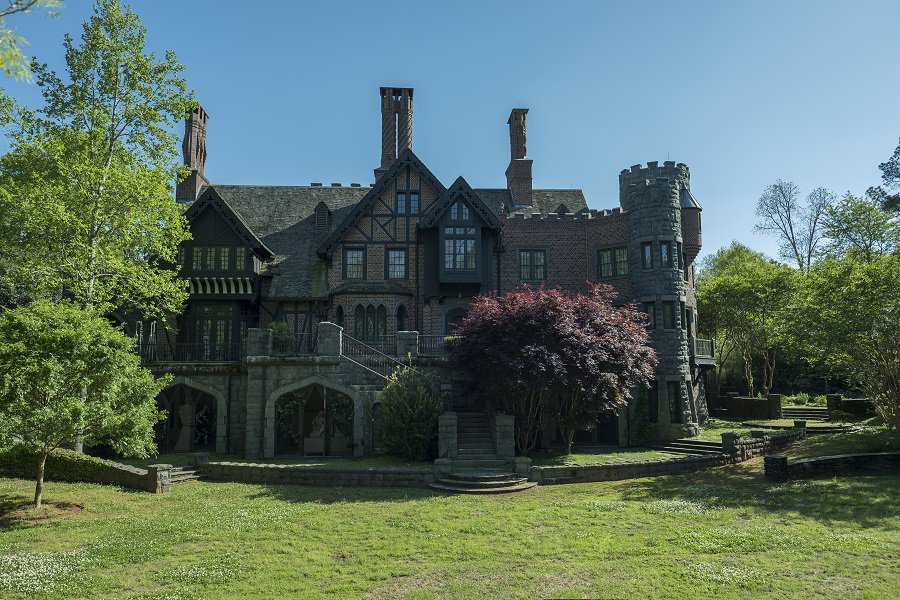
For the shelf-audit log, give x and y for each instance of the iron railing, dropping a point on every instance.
(293, 345)
(164, 351)
(386, 344)
(368, 357)
(435, 344)
(704, 348)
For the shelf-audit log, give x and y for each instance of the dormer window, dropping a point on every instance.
(321, 217)
(460, 211)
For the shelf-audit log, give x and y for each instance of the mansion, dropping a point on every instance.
(303, 298)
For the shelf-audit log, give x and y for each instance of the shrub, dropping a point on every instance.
(410, 408)
(62, 465)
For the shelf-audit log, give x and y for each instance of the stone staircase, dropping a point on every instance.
(482, 482)
(690, 447)
(807, 413)
(184, 474)
(473, 438)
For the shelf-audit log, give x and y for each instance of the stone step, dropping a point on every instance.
(682, 446)
(456, 489)
(475, 444)
(481, 475)
(467, 464)
(684, 451)
(478, 453)
(699, 443)
(466, 483)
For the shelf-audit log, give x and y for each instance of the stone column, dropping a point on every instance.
(159, 478)
(833, 401)
(729, 442)
(447, 440)
(259, 342)
(329, 338)
(800, 425)
(254, 426)
(775, 406)
(504, 436)
(407, 345)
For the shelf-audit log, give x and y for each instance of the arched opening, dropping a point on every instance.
(401, 318)
(380, 322)
(313, 421)
(359, 322)
(190, 423)
(339, 316)
(370, 323)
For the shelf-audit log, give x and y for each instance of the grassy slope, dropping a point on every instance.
(724, 533)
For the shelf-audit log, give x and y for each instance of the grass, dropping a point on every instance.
(714, 429)
(604, 456)
(722, 533)
(790, 423)
(870, 439)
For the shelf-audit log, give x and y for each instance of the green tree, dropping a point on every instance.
(797, 227)
(12, 60)
(862, 227)
(65, 371)
(85, 193)
(745, 296)
(410, 408)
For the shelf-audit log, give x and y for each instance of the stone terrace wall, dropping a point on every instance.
(320, 476)
(779, 468)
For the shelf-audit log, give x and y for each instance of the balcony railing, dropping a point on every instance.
(435, 344)
(293, 345)
(704, 348)
(163, 351)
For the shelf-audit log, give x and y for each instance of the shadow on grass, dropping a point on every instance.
(17, 512)
(340, 495)
(864, 500)
(870, 439)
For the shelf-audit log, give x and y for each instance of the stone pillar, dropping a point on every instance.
(800, 425)
(255, 426)
(407, 345)
(259, 342)
(504, 436)
(329, 338)
(833, 401)
(159, 479)
(447, 440)
(774, 406)
(363, 423)
(776, 467)
(729, 442)
(521, 466)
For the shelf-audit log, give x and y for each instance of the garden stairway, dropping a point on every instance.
(184, 474)
(473, 437)
(482, 482)
(808, 413)
(690, 447)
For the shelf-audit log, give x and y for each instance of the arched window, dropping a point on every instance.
(339, 316)
(401, 318)
(370, 323)
(380, 322)
(359, 322)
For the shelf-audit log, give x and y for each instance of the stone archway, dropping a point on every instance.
(312, 417)
(196, 417)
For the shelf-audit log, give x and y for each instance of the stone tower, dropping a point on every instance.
(663, 241)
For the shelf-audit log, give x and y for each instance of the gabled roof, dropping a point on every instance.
(406, 159)
(211, 199)
(688, 200)
(459, 189)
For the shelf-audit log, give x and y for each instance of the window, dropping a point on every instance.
(359, 322)
(647, 255)
(197, 258)
(209, 259)
(400, 204)
(407, 203)
(651, 397)
(665, 254)
(354, 263)
(179, 256)
(459, 248)
(224, 258)
(370, 323)
(683, 317)
(380, 322)
(396, 263)
(668, 315)
(459, 211)
(612, 262)
(650, 309)
(674, 393)
(401, 318)
(339, 316)
(240, 259)
(689, 320)
(532, 265)
(414, 203)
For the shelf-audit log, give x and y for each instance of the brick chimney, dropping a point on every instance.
(396, 125)
(518, 173)
(193, 148)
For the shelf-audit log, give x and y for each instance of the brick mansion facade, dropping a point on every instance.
(302, 298)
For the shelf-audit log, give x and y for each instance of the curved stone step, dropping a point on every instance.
(455, 489)
(490, 483)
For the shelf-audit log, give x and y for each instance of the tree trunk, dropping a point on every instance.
(570, 439)
(39, 480)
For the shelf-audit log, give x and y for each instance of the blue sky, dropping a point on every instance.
(743, 92)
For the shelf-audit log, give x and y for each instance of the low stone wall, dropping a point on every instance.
(154, 479)
(321, 476)
(736, 449)
(861, 408)
(779, 468)
(741, 407)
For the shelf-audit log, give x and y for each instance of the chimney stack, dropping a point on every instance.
(518, 173)
(193, 149)
(396, 125)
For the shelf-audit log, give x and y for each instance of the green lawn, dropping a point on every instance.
(606, 456)
(714, 429)
(790, 423)
(723, 533)
(870, 439)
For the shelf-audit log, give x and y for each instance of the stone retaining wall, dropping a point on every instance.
(779, 468)
(153, 479)
(320, 476)
(736, 449)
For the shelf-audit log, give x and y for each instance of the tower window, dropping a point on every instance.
(665, 254)
(668, 315)
(647, 255)
(650, 309)
(673, 388)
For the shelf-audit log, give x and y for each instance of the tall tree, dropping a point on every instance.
(533, 352)
(12, 61)
(797, 227)
(861, 226)
(85, 193)
(50, 354)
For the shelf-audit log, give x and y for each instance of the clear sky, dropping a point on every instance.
(743, 92)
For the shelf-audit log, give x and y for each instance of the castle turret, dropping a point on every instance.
(654, 196)
(193, 149)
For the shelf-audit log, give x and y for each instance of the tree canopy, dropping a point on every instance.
(66, 372)
(546, 351)
(85, 194)
(12, 60)
(797, 226)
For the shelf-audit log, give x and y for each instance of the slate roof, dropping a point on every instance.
(283, 218)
